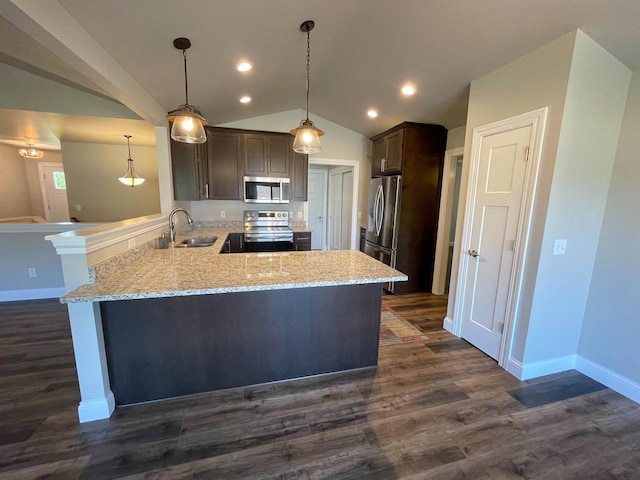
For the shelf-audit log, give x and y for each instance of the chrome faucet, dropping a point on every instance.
(172, 226)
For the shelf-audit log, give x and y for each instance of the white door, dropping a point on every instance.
(495, 209)
(347, 202)
(316, 199)
(335, 211)
(53, 186)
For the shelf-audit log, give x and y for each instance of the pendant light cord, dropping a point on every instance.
(186, 83)
(308, 68)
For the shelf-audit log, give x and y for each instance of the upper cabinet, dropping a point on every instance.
(267, 155)
(214, 170)
(387, 153)
(189, 168)
(224, 158)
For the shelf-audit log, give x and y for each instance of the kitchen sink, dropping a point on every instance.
(196, 242)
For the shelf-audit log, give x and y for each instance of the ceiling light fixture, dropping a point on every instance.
(307, 135)
(30, 152)
(244, 67)
(372, 113)
(130, 178)
(245, 99)
(408, 90)
(188, 123)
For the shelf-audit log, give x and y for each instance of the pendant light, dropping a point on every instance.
(188, 123)
(30, 152)
(130, 178)
(307, 135)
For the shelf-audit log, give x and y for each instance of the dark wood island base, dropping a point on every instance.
(166, 347)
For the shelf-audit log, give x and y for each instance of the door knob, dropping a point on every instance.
(473, 253)
(320, 217)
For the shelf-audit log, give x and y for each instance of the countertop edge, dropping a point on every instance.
(222, 290)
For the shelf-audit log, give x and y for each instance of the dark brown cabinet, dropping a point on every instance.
(234, 243)
(299, 176)
(267, 155)
(301, 241)
(416, 151)
(224, 160)
(189, 168)
(214, 170)
(388, 153)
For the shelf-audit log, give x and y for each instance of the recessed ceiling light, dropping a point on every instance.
(372, 113)
(245, 99)
(244, 67)
(408, 90)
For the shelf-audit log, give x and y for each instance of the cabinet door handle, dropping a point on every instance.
(206, 190)
(241, 242)
(383, 164)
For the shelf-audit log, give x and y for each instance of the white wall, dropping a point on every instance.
(92, 172)
(14, 191)
(584, 88)
(338, 143)
(611, 328)
(538, 79)
(22, 247)
(455, 137)
(593, 112)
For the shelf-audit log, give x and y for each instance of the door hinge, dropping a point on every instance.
(501, 327)
(526, 153)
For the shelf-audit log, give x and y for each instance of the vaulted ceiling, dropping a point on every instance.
(362, 51)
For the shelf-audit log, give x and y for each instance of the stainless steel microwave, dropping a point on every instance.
(266, 190)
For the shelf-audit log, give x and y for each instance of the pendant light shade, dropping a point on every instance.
(130, 178)
(188, 122)
(307, 135)
(30, 152)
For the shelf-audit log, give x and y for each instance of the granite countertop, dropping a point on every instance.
(199, 271)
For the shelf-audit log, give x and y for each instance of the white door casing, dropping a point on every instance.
(347, 205)
(317, 208)
(335, 210)
(504, 164)
(445, 217)
(54, 191)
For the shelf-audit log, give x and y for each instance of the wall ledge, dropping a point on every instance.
(31, 294)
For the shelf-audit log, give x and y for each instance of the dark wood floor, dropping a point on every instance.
(434, 409)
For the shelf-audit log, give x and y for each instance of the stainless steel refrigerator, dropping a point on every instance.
(383, 219)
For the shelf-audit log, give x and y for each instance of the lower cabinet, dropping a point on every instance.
(301, 241)
(234, 243)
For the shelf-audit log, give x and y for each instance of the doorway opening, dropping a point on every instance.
(331, 209)
(447, 220)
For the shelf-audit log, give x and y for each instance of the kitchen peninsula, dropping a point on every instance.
(180, 321)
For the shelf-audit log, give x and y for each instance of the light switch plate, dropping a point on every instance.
(560, 247)
(223, 214)
(78, 208)
(299, 214)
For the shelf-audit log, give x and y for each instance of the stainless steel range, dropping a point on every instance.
(267, 231)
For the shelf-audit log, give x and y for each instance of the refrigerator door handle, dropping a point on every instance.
(380, 210)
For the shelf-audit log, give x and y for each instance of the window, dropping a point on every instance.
(59, 181)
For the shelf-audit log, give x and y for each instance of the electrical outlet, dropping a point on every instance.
(290, 214)
(78, 208)
(299, 214)
(359, 215)
(223, 214)
(132, 243)
(560, 247)
(32, 272)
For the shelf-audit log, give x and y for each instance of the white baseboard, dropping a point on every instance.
(619, 383)
(96, 409)
(447, 324)
(31, 294)
(525, 371)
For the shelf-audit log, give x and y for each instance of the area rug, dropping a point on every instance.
(395, 330)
